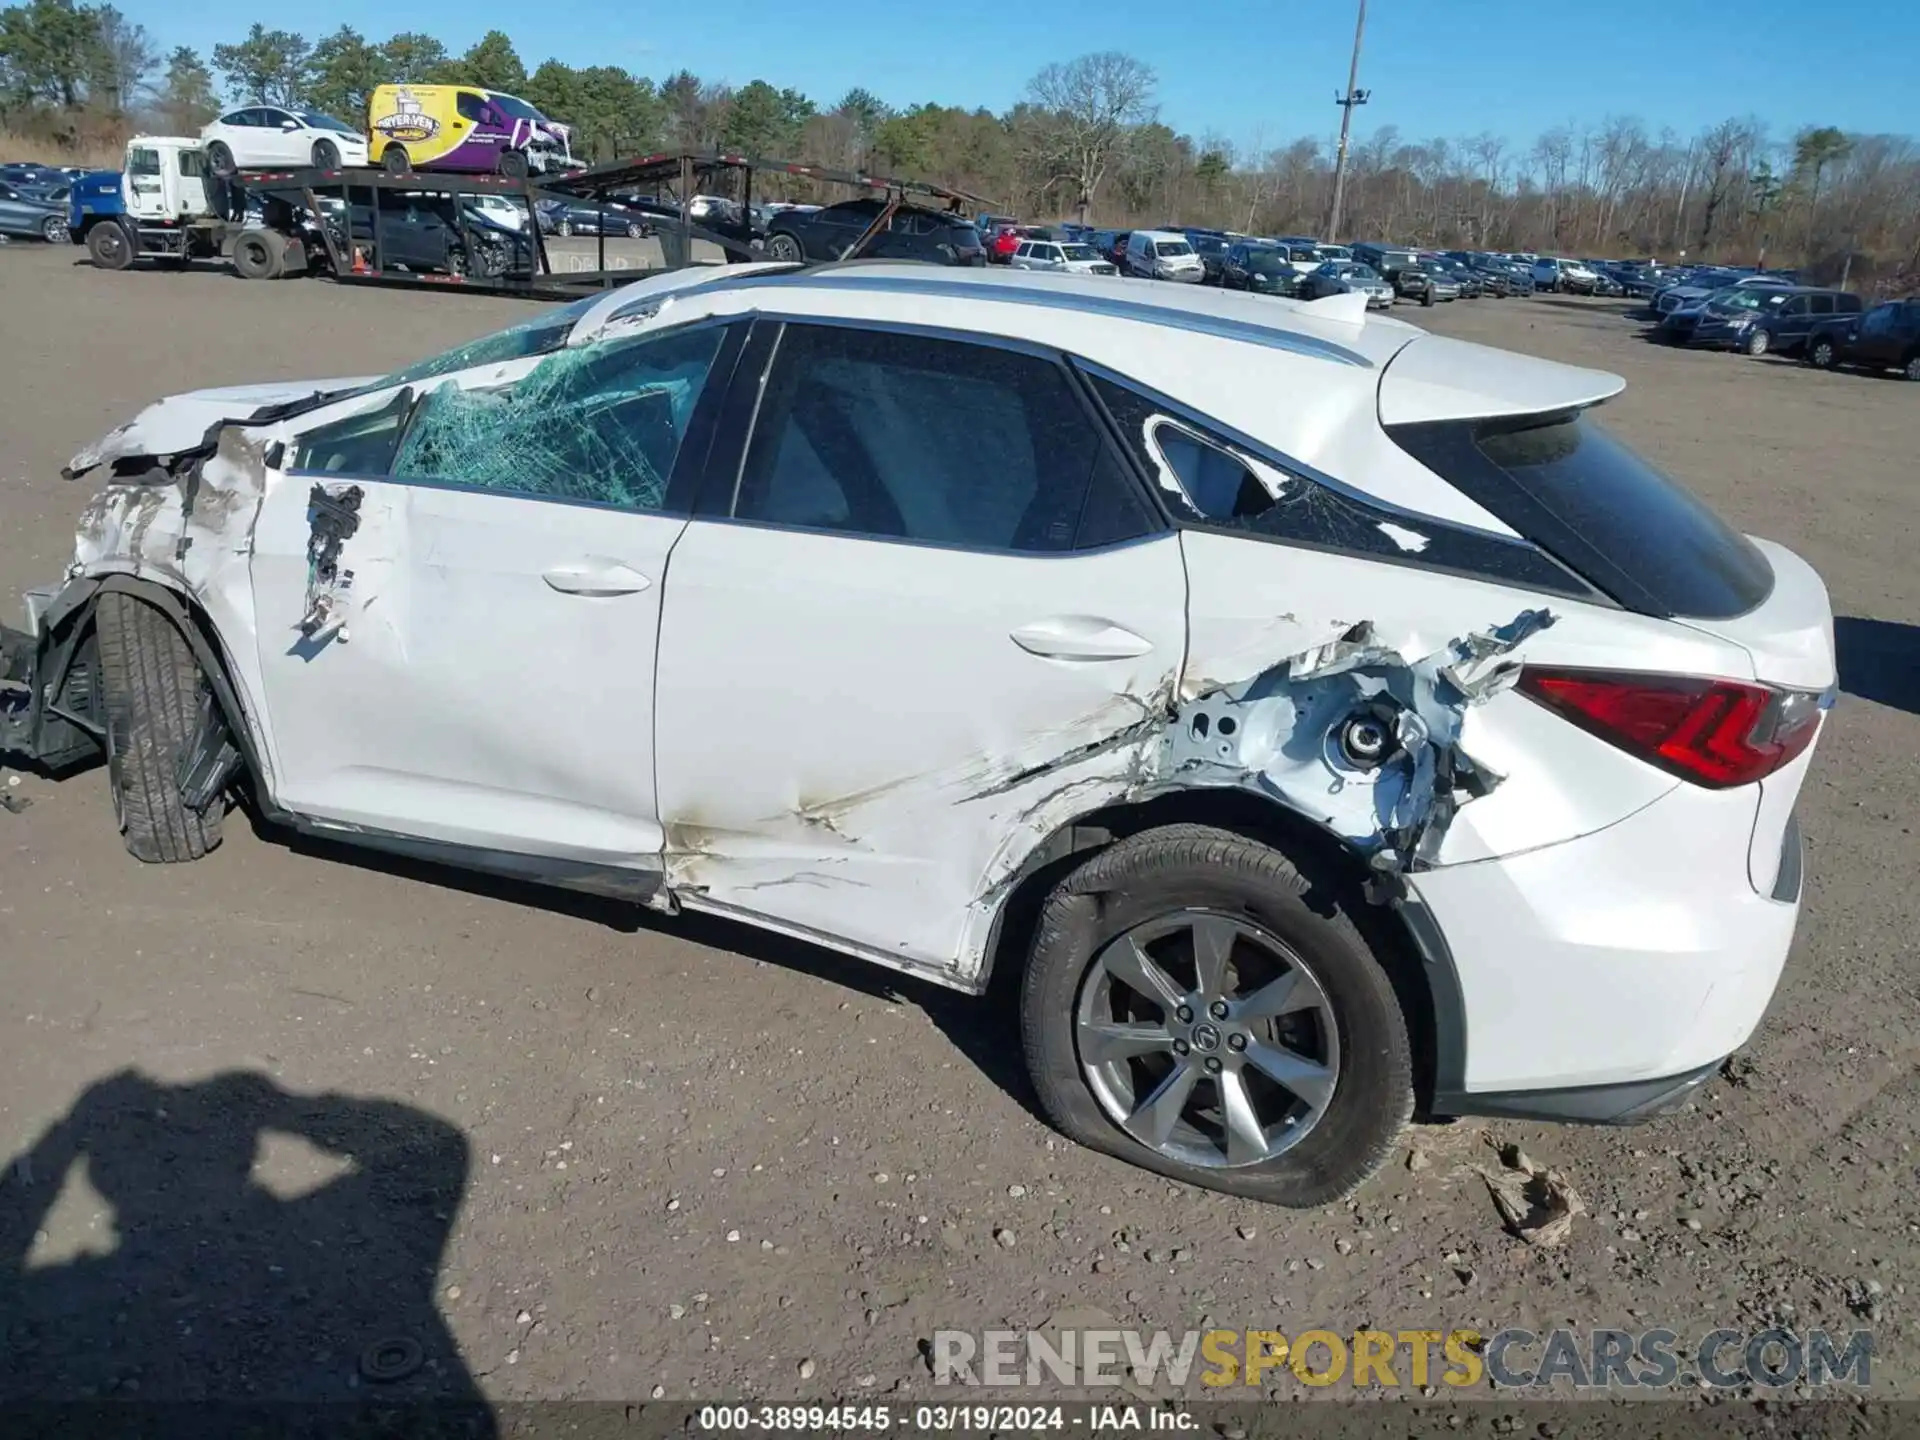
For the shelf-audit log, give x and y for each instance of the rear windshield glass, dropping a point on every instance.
(1570, 487)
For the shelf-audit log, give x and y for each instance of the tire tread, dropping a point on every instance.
(150, 683)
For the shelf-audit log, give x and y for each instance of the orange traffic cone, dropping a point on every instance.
(360, 265)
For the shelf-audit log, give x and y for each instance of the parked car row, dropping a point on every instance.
(33, 211)
(1827, 328)
(1288, 265)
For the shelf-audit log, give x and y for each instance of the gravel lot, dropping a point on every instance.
(597, 1155)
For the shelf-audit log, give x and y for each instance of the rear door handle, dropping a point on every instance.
(596, 577)
(1080, 637)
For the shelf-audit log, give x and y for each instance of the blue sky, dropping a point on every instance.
(1262, 72)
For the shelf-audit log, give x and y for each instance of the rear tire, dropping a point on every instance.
(220, 160)
(255, 256)
(395, 160)
(53, 230)
(1912, 368)
(1174, 874)
(151, 687)
(1821, 354)
(784, 247)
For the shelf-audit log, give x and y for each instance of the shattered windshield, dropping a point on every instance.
(599, 423)
(545, 332)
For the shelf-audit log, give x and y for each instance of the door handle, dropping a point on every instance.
(1080, 637)
(596, 577)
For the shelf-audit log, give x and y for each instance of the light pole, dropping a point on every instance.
(1346, 103)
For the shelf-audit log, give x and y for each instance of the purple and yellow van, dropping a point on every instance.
(462, 127)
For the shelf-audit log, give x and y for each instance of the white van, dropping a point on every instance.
(1163, 255)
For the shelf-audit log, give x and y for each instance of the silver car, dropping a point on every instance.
(25, 213)
(1341, 277)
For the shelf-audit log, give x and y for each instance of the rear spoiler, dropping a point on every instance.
(1438, 378)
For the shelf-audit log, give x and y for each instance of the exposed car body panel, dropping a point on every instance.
(179, 423)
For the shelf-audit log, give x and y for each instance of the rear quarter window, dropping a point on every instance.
(1564, 483)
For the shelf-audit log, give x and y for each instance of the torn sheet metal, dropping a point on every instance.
(333, 516)
(181, 423)
(1355, 735)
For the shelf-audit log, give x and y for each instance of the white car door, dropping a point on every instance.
(457, 601)
(919, 633)
(278, 144)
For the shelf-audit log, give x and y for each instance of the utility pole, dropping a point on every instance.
(1346, 103)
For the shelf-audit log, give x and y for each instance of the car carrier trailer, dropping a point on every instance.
(352, 225)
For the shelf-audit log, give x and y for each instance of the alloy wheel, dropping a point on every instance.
(1207, 1039)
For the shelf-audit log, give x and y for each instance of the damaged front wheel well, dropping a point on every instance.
(197, 629)
(1411, 953)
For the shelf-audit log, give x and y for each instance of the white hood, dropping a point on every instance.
(180, 422)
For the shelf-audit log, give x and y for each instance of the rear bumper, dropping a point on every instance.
(1627, 1103)
(1617, 962)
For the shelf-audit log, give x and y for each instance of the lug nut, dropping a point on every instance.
(1218, 1009)
(1185, 1014)
(1180, 1047)
(1213, 1066)
(1236, 1042)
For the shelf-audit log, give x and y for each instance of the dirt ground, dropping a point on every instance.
(577, 1153)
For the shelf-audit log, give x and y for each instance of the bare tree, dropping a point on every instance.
(1724, 151)
(1091, 104)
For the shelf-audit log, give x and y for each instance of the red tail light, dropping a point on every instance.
(1717, 733)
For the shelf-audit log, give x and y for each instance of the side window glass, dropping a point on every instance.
(143, 162)
(1847, 304)
(1820, 304)
(1207, 479)
(599, 423)
(938, 441)
(358, 445)
(470, 106)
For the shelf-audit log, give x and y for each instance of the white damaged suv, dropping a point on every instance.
(1324, 718)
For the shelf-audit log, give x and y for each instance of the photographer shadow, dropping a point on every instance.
(226, 1240)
